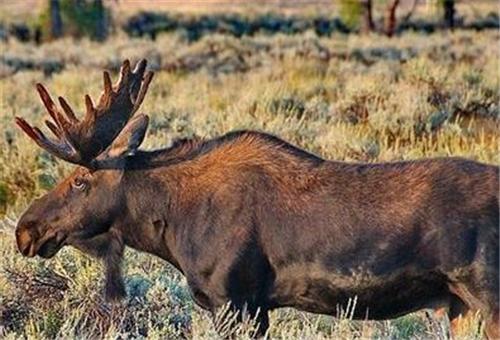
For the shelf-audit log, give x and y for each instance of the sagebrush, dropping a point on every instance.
(350, 98)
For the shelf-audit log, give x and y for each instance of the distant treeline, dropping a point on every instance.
(94, 19)
(151, 24)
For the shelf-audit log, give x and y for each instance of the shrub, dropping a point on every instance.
(81, 18)
(350, 12)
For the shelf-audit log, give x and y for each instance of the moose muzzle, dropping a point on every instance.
(26, 240)
(30, 242)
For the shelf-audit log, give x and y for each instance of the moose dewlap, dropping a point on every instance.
(252, 220)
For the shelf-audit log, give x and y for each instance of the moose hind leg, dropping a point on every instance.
(482, 299)
(492, 326)
(459, 315)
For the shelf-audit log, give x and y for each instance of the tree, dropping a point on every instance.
(359, 13)
(101, 29)
(367, 24)
(449, 13)
(390, 17)
(408, 15)
(56, 25)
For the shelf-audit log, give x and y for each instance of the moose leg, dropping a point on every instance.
(483, 300)
(492, 327)
(478, 284)
(114, 286)
(109, 247)
(458, 314)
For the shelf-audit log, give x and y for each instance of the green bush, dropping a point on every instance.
(80, 18)
(350, 12)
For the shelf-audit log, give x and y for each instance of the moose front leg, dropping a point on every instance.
(109, 247)
(228, 311)
(114, 286)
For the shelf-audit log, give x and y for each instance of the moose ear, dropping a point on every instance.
(130, 138)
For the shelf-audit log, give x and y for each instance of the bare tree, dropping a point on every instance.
(367, 24)
(56, 25)
(390, 17)
(408, 15)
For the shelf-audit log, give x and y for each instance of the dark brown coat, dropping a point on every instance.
(249, 218)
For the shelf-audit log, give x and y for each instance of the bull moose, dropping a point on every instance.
(252, 220)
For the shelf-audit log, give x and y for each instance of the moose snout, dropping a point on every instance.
(25, 240)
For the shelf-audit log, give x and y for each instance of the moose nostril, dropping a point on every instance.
(24, 240)
(24, 249)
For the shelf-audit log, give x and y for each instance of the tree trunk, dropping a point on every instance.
(390, 18)
(449, 13)
(367, 25)
(56, 25)
(408, 15)
(101, 32)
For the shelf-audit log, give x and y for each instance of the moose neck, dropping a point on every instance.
(146, 226)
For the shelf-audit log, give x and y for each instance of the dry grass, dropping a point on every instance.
(370, 99)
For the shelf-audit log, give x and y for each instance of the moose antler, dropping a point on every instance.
(80, 142)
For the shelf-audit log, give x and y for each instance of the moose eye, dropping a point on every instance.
(79, 184)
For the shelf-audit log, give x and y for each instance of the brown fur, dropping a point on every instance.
(249, 218)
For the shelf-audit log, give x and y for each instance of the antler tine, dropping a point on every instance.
(63, 150)
(63, 125)
(48, 103)
(143, 90)
(140, 67)
(26, 128)
(124, 75)
(90, 114)
(137, 78)
(55, 130)
(68, 110)
(108, 87)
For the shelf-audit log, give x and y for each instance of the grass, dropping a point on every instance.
(350, 98)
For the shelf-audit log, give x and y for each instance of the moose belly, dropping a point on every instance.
(366, 296)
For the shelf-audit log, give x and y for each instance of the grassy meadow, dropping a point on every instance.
(345, 97)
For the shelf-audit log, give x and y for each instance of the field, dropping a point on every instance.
(345, 97)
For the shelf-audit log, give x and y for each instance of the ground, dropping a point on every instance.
(350, 98)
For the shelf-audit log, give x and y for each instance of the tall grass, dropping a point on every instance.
(347, 98)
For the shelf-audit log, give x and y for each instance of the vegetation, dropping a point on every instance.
(360, 13)
(92, 18)
(348, 97)
(76, 18)
(351, 11)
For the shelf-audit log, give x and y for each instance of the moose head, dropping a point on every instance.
(85, 204)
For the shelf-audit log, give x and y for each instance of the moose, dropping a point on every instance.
(258, 223)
